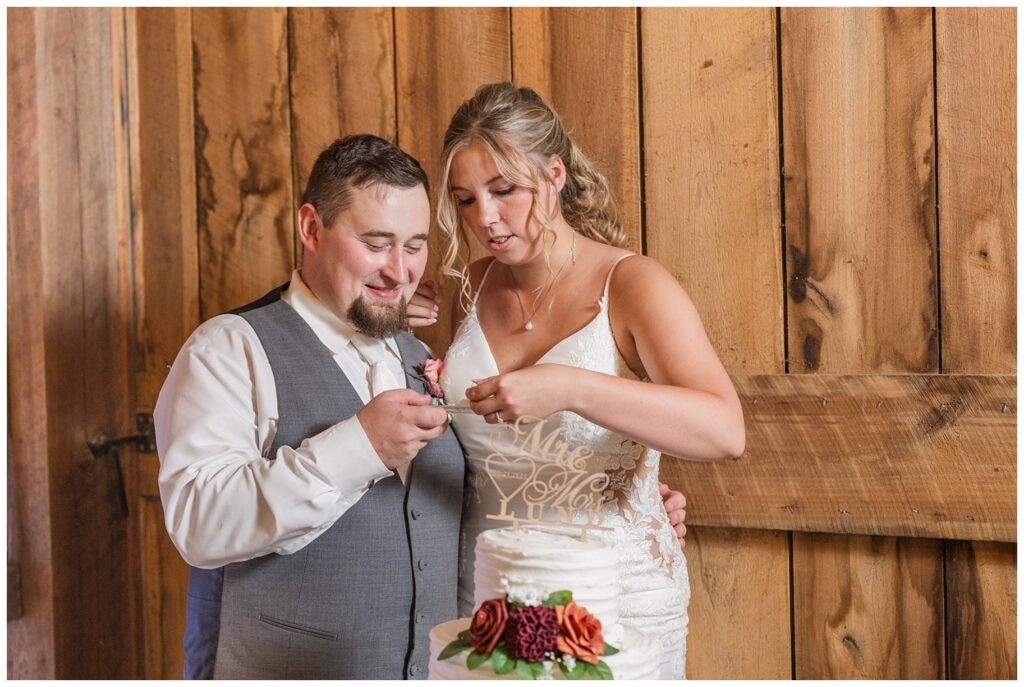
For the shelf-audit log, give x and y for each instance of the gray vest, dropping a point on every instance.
(359, 601)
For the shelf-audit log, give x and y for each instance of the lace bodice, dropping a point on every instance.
(652, 569)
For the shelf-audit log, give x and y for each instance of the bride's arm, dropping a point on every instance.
(691, 409)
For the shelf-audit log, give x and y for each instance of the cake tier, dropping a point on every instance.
(534, 562)
(637, 658)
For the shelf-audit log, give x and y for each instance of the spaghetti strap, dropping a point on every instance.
(480, 286)
(608, 280)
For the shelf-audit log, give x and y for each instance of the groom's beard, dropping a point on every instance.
(378, 320)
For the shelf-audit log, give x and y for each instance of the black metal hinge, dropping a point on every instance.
(144, 442)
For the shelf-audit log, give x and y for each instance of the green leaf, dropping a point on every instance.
(454, 648)
(476, 658)
(577, 671)
(501, 661)
(465, 635)
(609, 650)
(559, 598)
(601, 671)
(529, 670)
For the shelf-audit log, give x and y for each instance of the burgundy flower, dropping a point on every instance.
(530, 632)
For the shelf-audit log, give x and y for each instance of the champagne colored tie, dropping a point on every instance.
(375, 353)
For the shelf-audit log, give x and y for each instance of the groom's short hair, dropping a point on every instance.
(358, 161)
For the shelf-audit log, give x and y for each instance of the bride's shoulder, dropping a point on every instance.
(642, 280)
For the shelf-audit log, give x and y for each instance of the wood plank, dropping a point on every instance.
(441, 57)
(908, 455)
(976, 94)
(243, 154)
(87, 310)
(164, 595)
(166, 291)
(867, 608)
(712, 199)
(342, 66)
(551, 48)
(981, 603)
(860, 189)
(711, 159)
(164, 238)
(739, 617)
(30, 639)
(975, 54)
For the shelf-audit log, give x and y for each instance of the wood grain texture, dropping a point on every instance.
(711, 157)
(342, 66)
(713, 216)
(441, 57)
(85, 275)
(867, 607)
(981, 606)
(166, 292)
(163, 594)
(243, 155)
(739, 613)
(584, 61)
(30, 639)
(976, 90)
(859, 154)
(908, 455)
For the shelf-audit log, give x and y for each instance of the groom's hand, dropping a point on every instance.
(399, 423)
(675, 507)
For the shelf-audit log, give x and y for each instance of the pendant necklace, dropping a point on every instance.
(547, 290)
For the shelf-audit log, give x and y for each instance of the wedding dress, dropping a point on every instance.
(652, 570)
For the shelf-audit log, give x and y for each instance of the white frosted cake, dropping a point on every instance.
(529, 564)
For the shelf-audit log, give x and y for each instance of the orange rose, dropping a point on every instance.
(579, 633)
(488, 625)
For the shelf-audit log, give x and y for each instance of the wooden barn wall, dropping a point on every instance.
(835, 188)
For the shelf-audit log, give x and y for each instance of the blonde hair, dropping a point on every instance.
(521, 132)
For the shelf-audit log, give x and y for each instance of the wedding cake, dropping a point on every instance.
(546, 607)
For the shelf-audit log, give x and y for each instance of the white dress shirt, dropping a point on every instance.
(216, 418)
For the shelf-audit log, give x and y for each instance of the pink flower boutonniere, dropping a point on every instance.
(431, 370)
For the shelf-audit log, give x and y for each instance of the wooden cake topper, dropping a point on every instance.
(542, 480)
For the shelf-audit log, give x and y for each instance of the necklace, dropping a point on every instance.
(547, 289)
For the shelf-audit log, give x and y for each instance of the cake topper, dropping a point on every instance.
(542, 480)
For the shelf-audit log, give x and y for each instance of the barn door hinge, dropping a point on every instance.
(144, 441)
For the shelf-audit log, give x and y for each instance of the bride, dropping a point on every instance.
(561, 321)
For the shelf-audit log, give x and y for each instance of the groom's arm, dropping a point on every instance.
(224, 500)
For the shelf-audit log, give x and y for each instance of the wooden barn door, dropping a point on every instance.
(72, 512)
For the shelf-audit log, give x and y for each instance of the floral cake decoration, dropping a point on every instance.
(532, 638)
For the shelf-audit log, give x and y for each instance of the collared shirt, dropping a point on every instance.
(216, 418)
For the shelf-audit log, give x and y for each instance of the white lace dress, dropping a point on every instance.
(652, 571)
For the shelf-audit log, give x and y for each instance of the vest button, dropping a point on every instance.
(421, 564)
(421, 618)
(414, 669)
(415, 514)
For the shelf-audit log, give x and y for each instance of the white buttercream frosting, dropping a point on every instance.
(529, 563)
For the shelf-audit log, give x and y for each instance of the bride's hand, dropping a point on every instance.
(423, 306)
(533, 392)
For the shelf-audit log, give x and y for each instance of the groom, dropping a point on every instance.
(317, 497)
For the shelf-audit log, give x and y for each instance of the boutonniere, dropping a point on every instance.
(430, 372)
